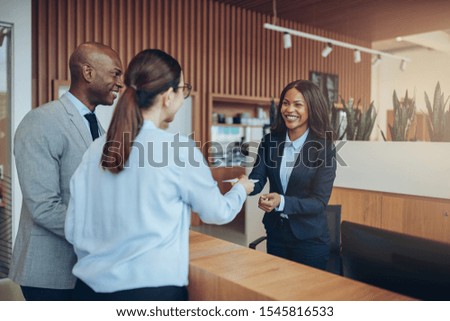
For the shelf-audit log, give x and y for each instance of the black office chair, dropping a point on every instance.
(402, 263)
(334, 264)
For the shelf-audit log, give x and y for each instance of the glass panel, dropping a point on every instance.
(5, 149)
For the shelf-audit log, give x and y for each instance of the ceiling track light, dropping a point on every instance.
(287, 40)
(403, 65)
(357, 56)
(376, 61)
(327, 50)
(333, 42)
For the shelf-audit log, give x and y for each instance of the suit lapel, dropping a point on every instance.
(277, 158)
(302, 162)
(76, 120)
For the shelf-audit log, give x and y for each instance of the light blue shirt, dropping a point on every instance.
(290, 154)
(131, 230)
(82, 109)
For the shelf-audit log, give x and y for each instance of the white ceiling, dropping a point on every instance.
(438, 40)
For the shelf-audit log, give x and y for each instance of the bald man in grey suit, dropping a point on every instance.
(48, 146)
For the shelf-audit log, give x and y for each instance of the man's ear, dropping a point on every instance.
(88, 72)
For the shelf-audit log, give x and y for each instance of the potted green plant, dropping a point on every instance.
(336, 121)
(404, 118)
(438, 119)
(447, 126)
(360, 120)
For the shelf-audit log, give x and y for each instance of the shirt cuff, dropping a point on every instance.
(241, 190)
(280, 207)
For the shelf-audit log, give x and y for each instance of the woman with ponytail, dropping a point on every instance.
(132, 195)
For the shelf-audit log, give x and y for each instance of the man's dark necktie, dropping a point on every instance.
(93, 125)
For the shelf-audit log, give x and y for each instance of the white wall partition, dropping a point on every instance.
(413, 168)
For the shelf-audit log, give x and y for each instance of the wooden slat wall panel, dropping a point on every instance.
(222, 48)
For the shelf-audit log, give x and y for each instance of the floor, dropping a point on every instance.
(10, 291)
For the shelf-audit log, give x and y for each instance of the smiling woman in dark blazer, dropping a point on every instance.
(298, 158)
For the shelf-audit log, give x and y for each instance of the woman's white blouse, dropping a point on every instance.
(131, 230)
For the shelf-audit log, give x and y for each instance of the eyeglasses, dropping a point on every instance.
(186, 90)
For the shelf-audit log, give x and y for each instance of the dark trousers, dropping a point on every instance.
(162, 293)
(43, 294)
(283, 243)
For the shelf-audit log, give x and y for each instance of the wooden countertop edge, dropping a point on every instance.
(221, 270)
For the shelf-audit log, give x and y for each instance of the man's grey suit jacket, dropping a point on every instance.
(48, 147)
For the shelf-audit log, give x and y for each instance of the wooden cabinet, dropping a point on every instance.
(233, 120)
(233, 106)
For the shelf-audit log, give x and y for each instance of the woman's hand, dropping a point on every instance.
(248, 184)
(268, 202)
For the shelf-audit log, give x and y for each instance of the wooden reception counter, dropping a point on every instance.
(220, 270)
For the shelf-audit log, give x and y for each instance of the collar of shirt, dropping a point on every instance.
(82, 109)
(298, 143)
(148, 124)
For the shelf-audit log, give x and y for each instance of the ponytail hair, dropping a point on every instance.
(150, 73)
